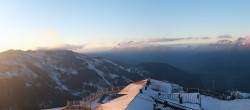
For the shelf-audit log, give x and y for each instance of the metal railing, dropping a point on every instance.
(186, 98)
(85, 103)
(172, 105)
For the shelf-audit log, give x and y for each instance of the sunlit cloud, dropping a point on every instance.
(161, 40)
(204, 38)
(224, 36)
(130, 44)
(51, 39)
(62, 47)
(33, 40)
(156, 42)
(164, 40)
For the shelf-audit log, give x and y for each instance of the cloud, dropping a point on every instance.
(224, 36)
(164, 40)
(161, 40)
(70, 46)
(204, 38)
(62, 47)
(130, 41)
(51, 40)
(130, 44)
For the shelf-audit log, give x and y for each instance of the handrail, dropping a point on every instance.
(173, 105)
(185, 97)
(92, 97)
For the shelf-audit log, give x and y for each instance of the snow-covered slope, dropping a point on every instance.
(40, 77)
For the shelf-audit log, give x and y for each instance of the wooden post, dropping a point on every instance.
(90, 105)
(67, 104)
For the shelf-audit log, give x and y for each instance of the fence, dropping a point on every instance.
(172, 105)
(85, 103)
(222, 95)
(186, 98)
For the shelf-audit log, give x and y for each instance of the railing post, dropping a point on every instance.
(90, 105)
(200, 100)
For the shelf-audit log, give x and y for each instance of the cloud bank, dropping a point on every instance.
(161, 40)
(224, 36)
(62, 47)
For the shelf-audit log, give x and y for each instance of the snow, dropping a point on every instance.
(145, 102)
(132, 99)
(17, 69)
(122, 102)
(244, 95)
(136, 101)
(27, 72)
(72, 71)
(7, 74)
(113, 76)
(28, 85)
(55, 76)
(209, 103)
(127, 80)
(91, 66)
(141, 102)
(161, 86)
(115, 64)
(109, 61)
(95, 85)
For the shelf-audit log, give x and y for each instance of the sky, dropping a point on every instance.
(97, 25)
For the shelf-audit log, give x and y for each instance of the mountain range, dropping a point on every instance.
(46, 79)
(226, 62)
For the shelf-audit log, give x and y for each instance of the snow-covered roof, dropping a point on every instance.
(141, 102)
(122, 102)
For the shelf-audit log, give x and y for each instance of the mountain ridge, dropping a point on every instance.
(46, 79)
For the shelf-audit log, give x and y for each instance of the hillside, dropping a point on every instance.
(38, 79)
(45, 79)
(163, 71)
(226, 62)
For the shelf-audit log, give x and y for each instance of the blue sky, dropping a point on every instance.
(102, 24)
